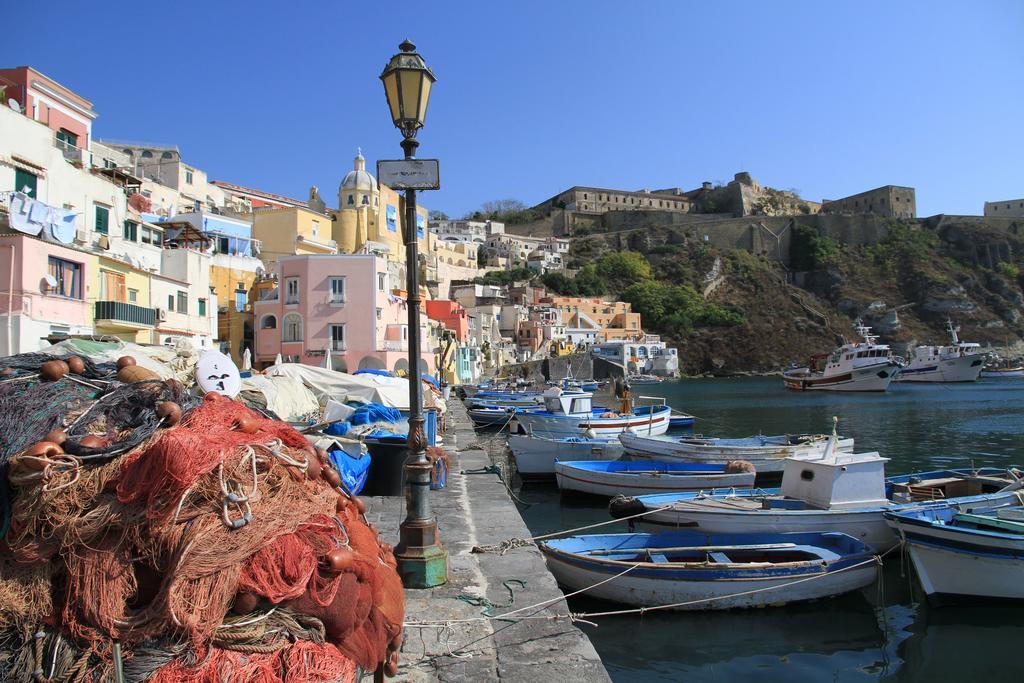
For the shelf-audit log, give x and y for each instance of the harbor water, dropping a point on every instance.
(884, 632)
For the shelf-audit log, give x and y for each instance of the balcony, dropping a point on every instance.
(122, 315)
(338, 345)
(393, 345)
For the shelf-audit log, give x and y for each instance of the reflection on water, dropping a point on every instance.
(880, 633)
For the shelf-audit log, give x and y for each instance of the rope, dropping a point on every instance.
(511, 543)
(497, 469)
(488, 606)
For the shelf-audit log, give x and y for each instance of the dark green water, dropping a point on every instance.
(882, 633)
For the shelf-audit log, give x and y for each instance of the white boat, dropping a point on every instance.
(965, 558)
(692, 571)
(1002, 370)
(535, 456)
(844, 492)
(860, 366)
(958, 362)
(638, 477)
(571, 413)
(766, 453)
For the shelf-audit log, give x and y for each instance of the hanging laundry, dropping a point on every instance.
(21, 207)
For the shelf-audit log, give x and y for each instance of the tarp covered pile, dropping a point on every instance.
(153, 535)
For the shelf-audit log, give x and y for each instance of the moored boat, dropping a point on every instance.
(644, 379)
(680, 421)
(688, 571)
(767, 453)
(484, 415)
(1002, 370)
(964, 558)
(844, 492)
(639, 477)
(958, 362)
(569, 413)
(535, 456)
(859, 366)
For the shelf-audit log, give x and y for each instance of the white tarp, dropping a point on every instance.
(172, 361)
(326, 384)
(288, 397)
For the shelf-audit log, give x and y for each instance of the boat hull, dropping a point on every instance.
(628, 483)
(553, 426)
(965, 368)
(707, 585)
(765, 459)
(867, 525)
(996, 374)
(535, 456)
(874, 378)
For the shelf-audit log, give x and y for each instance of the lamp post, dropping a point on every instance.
(422, 560)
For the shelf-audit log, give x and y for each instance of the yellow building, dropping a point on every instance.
(123, 305)
(292, 231)
(370, 212)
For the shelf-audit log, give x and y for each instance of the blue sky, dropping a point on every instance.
(829, 98)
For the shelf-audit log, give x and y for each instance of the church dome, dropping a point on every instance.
(359, 178)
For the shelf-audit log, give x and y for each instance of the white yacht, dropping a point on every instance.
(860, 366)
(958, 362)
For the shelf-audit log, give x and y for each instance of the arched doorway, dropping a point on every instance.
(371, 363)
(402, 367)
(338, 364)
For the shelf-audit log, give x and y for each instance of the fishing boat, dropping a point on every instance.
(680, 421)
(485, 415)
(965, 557)
(767, 453)
(692, 571)
(860, 366)
(1002, 370)
(845, 492)
(535, 455)
(571, 413)
(637, 477)
(525, 400)
(958, 362)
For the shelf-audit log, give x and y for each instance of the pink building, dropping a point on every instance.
(344, 303)
(45, 291)
(43, 99)
(450, 314)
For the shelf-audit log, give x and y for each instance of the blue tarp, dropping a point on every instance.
(431, 380)
(373, 371)
(374, 412)
(353, 471)
(338, 428)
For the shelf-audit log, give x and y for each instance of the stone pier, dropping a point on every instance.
(460, 645)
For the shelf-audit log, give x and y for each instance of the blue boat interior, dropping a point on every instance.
(646, 467)
(675, 547)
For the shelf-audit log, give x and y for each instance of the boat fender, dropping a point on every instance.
(738, 466)
(624, 506)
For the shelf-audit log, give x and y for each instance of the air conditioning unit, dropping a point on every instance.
(81, 237)
(161, 314)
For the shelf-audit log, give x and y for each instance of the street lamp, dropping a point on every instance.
(422, 560)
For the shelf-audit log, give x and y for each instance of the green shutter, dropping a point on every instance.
(131, 231)
(202, 307)
(24, 179)
(102, 219)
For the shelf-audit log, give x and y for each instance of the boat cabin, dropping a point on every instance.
(841, 480)
(568, 402)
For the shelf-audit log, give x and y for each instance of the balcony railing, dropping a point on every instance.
(125, 313)
(393, 345)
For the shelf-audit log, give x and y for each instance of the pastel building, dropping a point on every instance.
(347, 305)
(290, 231)
(69, 116)
(450, 314)
(615, 318)
(46, 290)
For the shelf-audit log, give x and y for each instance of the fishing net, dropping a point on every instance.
(207, 550)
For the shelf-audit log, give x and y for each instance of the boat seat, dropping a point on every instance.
(721, 558)
(658, 558)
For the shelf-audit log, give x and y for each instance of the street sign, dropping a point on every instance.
(410, 174)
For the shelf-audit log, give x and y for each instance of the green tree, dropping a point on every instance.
(560, 283)
(624, 267)
(809, 250)
(589, 282)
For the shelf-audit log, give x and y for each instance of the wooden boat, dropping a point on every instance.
(687, 571)
(860, 366)
(766, 453)
(1002, 371)
(571, 413)
(845, 492)
(535, 456)
(958, 362)
(644, 379)
(965, 557)
(636, 478)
